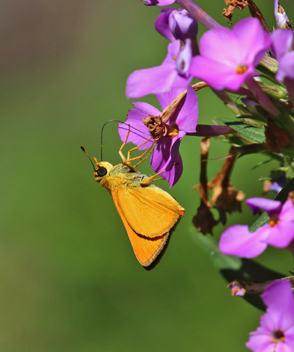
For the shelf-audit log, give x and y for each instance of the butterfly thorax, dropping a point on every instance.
(120, 175)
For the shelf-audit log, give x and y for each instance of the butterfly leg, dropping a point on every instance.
(124, 143)
(124, 161)
(151, 178)
(143, 156)
(129, 159)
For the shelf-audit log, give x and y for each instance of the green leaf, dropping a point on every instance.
(260, 164)
(250, 133)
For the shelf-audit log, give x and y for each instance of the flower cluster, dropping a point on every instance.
(257, 65)
(226, 60)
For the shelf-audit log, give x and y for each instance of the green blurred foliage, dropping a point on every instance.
(69, 279)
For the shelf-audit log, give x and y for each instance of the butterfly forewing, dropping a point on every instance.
(150, 211)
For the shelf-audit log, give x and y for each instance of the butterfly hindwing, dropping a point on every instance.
(146, 250)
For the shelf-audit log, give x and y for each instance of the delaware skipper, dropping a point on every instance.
(148, 213)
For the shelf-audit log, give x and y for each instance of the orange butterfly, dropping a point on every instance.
(148, 213)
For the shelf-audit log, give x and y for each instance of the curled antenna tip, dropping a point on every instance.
(83, 149)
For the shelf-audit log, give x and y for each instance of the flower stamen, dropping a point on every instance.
(240, 69)
(174, 132)
(274, 222)
(278, 336)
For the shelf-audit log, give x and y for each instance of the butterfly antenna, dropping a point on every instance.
(114, 120)
(83, 149)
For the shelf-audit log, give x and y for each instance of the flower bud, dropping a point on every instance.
(176, 24)
(281, 16)
(183, 25)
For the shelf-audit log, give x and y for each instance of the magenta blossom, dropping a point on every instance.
(229, 56)
(158, 2)
(176, 24)
(279, 232)
(172, 73)
(282, 41)
(166, 156)
(276, 331)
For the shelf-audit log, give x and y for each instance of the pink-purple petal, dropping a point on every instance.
(281, 235)
(161, 154)
(217, 74)
(158, 2)
(259, 341)
(138, 132)
(287, 212)
(188, 116)
(166, 98)
(247, 31)
(159, 79)
(237, 240)
(173, 50)
(286, 67)
(215, 44)
(281, 42)
(163, 159)
(165, 153)
(269, 205)
(162, 24)
(174, 150)
(152, 80)
(279, 317)
(228, 57)
(175, 173)
(281, 309)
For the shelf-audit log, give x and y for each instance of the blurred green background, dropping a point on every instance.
(69, 278)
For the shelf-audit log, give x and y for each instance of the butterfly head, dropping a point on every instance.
(102, 169)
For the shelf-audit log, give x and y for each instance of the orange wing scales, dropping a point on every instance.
(146, 250)
(154, 213)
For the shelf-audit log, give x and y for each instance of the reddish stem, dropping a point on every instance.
(211, 131)
(200, 15)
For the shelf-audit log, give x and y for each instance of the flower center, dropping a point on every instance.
(240, 69)
(277, 336)
(156, 127)
(274, 220)
(274, 223)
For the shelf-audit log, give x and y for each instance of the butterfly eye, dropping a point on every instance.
(102, 171)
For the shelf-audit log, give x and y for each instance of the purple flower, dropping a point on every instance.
(158, 2)
(172, 73)
(228, 57)
(166, 156)
(176, 24)
(282, 40)
(276, 331)
(279, 232)
(277, 182)
(281, 16)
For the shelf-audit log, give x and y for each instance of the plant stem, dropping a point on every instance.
(262, 98)
(200, 15)
(211, 131)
